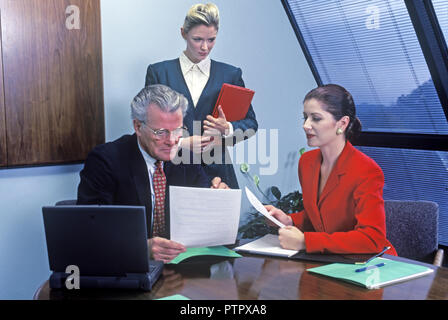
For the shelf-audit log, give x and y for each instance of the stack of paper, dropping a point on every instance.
(268, 245)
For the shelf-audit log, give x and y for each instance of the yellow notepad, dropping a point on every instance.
(375, 277)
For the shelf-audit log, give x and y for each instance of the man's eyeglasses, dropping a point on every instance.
(162, 134)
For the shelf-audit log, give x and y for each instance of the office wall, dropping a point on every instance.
(254, 35)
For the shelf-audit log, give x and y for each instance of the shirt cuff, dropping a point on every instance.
(230, 133)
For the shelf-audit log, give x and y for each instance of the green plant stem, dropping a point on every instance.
(259, 189)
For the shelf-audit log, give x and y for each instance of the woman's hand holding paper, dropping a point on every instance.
(279, 215)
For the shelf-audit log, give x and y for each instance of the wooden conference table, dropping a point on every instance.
(254, 277)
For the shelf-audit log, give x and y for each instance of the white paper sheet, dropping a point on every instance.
(269, 245)
(202, 217)
(260, 207)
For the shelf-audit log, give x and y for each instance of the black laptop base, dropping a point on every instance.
(108, 245)
(130, 281)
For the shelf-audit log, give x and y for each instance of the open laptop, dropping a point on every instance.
(108, 245)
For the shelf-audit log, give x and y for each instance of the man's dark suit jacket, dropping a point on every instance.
(115, 173)
(169, 73)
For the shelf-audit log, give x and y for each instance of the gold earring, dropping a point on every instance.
(339, 131)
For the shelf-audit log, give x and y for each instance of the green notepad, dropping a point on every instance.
(175, 297)
(392, 272)
(206, 251)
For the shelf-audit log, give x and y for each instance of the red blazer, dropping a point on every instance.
(349, 216)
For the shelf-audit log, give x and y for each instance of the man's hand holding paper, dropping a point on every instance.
(217, 183)
(164, 250)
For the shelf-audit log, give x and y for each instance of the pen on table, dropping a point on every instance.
(375, 256)
(370, 267)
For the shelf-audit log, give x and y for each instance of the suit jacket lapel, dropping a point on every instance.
(183, 82)
(201, 111)
(183, 88)
(167, 166)
(141, 179)
(332, 182)
(336, 173)
(315, 216)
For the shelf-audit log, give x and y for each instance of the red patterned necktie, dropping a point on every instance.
(159, 182)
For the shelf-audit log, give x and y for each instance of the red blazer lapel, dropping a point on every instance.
(338, 170)
(332, 183)
(310, 185)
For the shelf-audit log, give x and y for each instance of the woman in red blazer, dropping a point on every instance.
(342, 187)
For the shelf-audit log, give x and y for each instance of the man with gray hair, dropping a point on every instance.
(137, 169)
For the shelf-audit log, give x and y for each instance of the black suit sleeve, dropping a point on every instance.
(97, 185)
(250, 121)
(244, 128)
(151, 77)
(193, 174)
(202, 180)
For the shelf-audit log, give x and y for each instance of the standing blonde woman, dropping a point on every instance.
(200, 79)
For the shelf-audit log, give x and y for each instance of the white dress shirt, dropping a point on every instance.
(196, 77)
(151, 166)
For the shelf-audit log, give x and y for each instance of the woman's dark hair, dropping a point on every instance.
(339, 102)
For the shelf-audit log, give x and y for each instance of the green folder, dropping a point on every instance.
(175, 297)
(375, 277)
(206, 251)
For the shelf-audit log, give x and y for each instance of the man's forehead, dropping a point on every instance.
(156, 114)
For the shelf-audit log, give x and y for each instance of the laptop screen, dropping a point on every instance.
(99, 240)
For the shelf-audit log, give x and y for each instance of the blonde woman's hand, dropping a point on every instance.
(196, 143)
(213, 125)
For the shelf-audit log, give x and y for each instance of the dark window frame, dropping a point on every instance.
(432, 42)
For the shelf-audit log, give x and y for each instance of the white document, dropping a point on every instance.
(203, 217)
(268, 245)
(260, 207)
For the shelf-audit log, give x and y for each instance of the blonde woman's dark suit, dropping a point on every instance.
(170, 73)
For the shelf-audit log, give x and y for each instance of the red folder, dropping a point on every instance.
(235, 102)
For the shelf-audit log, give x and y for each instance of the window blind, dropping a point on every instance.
(441, 9)
(370, 48)
(428, 181)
